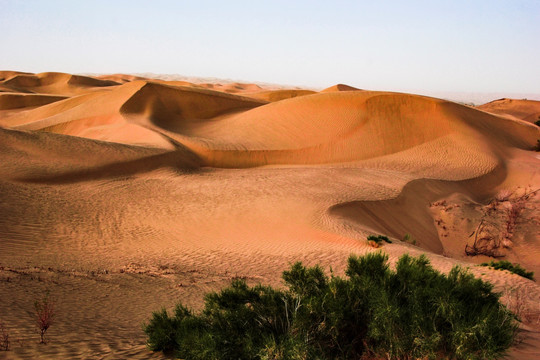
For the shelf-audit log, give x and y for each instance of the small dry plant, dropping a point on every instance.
(504, 195)
(516, 301)
(514, 211)
(489, 238)
(45, 313)
(485, 243)
(4, 337)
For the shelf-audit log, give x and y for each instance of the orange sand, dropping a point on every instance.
(528, 110)
(122, 194)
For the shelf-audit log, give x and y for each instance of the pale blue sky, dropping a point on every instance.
(474, 46)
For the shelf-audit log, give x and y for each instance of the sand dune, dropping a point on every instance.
(55, 83)
(117, 115)
(121, 195)
(528, 110)
(340, 87)
(8, 74)
(346, 127)
(168, 106)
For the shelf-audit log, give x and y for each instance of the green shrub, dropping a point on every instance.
(513, 268)
(379, 239)
(410, 312)
(408, 238)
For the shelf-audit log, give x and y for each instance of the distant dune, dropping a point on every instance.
(278, 95)
(528, 110)
(340, 87)
(123, 193)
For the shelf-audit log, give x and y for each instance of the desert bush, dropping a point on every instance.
(378, 239)
(537, 146)
(4, 337)
(410, 312)
(408, 238)
(44, 313)
(513, 268)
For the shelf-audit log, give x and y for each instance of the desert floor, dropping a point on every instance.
(120, 195)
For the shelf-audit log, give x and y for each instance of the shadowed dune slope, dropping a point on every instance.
(18, 100)
(528, 110)
(409, 213)
(53, 158)
(168, 106)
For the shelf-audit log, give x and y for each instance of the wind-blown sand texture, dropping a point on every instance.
(121, 194)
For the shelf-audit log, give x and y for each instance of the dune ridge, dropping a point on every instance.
(527, 110)
(340, 87)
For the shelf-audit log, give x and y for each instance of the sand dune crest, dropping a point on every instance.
(340, 87)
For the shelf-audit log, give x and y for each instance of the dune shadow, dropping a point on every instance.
(180, 160)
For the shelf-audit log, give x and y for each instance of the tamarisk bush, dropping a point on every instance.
(411, 312)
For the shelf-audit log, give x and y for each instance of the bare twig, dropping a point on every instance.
(45, 313)
(4, 337)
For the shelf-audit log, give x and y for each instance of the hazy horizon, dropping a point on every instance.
(421, 47)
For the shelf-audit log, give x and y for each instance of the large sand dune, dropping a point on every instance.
(121, 194)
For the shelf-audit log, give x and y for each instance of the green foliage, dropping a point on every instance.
(410, 312)
(379, 239)
(513, 268)
(409, 239)
(537, 146)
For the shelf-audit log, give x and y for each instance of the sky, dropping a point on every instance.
(433, 45)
